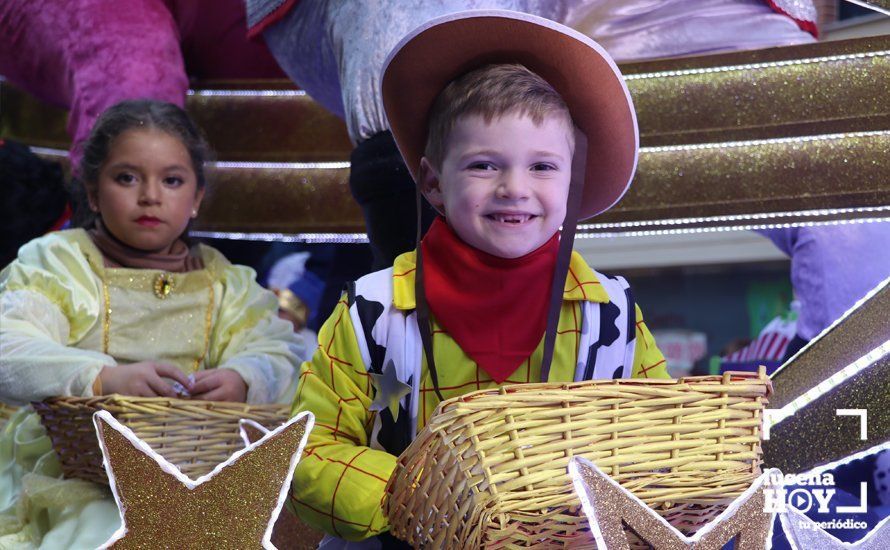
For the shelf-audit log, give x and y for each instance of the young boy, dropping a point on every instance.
(491, 145)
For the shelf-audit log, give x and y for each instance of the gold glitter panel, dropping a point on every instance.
(862, 331)
(683, 182)
(842, 172)
(280, 200)
(779, 92)
(815, 435)
(255, 128)
(828, 87)
(230, 510)
(773, 176)
(270, 128)
(29, 120)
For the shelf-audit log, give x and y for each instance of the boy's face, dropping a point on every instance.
(503, 185)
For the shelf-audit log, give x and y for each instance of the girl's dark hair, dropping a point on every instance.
(139, 114)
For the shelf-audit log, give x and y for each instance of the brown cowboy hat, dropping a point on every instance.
(580, 70)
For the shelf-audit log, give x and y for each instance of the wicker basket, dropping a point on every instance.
(491, 467)
(194, 435)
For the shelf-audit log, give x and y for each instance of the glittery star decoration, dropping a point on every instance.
(609, 507)
(390, 390)
(803, 533)
(289, 531)
(234, 506)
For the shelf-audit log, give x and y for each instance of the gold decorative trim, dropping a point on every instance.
(106, 320)
(164, 284)
(208, 326)
(208, 317)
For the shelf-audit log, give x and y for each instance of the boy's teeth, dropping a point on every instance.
(511, 218)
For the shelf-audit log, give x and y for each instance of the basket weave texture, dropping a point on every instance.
(491, 467)
(194, 435)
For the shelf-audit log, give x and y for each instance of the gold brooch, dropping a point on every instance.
(163, 285)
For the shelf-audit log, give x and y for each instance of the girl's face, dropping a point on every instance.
(147, 189)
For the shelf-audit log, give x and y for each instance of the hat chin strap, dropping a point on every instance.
(566, 243)
(422, 308)
(560, 271)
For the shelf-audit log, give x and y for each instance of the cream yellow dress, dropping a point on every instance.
(64, 316)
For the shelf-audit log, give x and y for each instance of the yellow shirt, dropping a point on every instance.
(339, 483)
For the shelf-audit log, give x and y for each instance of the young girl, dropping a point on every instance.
(125, 306)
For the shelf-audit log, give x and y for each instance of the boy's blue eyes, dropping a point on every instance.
(539, 167)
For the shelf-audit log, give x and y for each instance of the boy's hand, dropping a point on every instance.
(142, 379)
(219, 385)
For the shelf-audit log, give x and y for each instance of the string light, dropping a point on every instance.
(738, 217)
(830, 383)
(721, 229)
(756, 142)
(247, 93)
(756, 66)
(871, 6)
(228, 165)
(341, 238)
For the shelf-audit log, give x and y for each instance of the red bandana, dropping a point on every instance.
(494, 308)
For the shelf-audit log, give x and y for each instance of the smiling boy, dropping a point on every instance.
(491, 145)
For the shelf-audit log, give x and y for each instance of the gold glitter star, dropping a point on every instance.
(609, 507)
(234, 506)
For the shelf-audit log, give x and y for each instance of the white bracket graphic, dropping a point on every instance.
(771, 417)
(863, 420)
(863, 502)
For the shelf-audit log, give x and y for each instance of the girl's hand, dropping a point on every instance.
(219, 385)
(142, 379)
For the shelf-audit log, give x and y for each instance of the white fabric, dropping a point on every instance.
(35, 360)
(335, 50)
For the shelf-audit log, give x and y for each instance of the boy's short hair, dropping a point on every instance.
(491, 91)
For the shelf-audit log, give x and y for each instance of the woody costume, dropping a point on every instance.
(447, 318)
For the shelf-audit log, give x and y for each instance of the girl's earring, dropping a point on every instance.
(194, 212)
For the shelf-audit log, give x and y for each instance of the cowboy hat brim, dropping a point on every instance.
(579, 69)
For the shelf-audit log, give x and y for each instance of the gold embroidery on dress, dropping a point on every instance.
(208, 322)
(106, 321)
(208, 316)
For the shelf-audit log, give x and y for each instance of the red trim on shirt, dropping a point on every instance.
(273, 17)
(808, 26)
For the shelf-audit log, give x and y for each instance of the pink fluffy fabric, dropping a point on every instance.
(86, 55)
